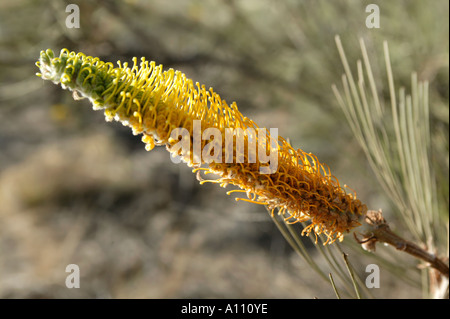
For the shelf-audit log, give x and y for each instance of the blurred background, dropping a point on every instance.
(77, 190)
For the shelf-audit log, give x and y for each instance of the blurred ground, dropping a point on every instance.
(77, 190)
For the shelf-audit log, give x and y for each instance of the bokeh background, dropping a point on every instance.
(77, 190)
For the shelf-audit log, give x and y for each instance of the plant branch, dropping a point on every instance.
(379, 231)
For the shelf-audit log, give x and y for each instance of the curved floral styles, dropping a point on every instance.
(165, 105)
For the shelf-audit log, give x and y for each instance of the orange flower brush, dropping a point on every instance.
(164, 105)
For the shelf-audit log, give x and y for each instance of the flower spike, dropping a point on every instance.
(154, 103)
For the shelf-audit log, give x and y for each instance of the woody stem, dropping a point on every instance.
(383, 233)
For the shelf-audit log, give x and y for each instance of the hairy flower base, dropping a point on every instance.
(155, 102)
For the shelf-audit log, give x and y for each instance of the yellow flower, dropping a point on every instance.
(157, 103)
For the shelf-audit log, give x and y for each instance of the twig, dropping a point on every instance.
(381, 232)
